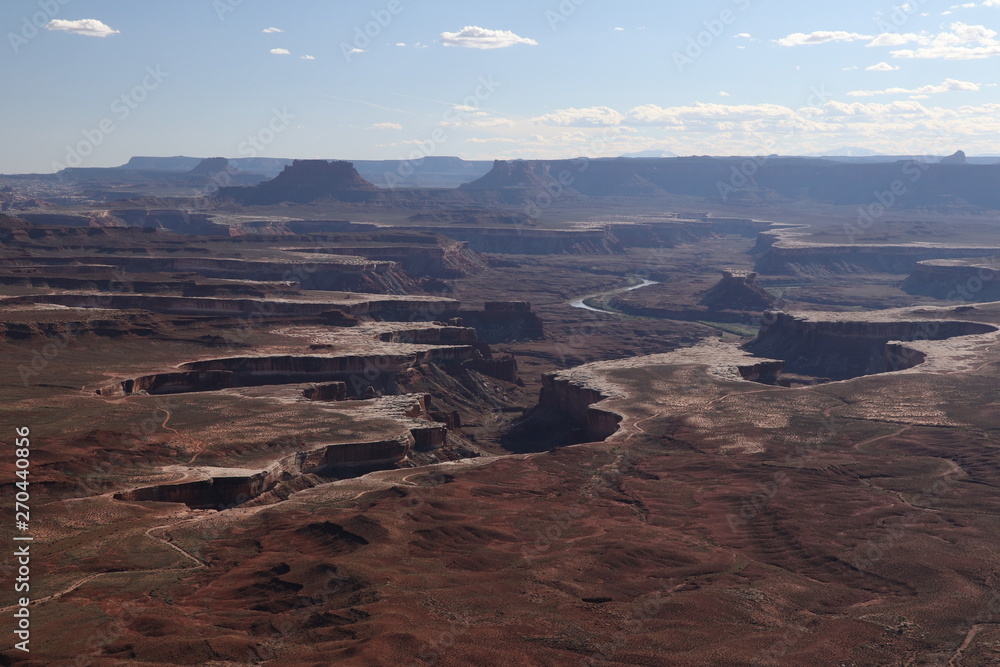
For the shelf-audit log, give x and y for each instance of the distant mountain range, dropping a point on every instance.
(431, 172)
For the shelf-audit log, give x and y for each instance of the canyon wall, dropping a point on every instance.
(575, 400)
(344, 274)
(844, 349)
(957, 281)
(782, 259)
(227, 489)
(504, 322)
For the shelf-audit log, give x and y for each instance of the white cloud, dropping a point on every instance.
(308, 57)
(589, 117)
(723, 93)
(849, 69)
(898, 39)
(744, 35)
(960, 42)
(492, 140)
(272, 29)
(947, 86)
(400, 43)
(279, 52)
(991, 3)
(357, 50)
(897, 127)
(619, 29)
(88, 27)
(700, 113)
(387, 126)
(882, 67)
(474, 37)
(821, 37)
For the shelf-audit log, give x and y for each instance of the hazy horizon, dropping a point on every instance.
(391, 79)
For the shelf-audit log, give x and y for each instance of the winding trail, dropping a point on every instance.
(90, 577)
(199, 445)
(973, 631)
(871, 441)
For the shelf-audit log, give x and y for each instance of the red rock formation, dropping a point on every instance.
(738, 290)
(172, 383)
(840, 349)
(330, 391)
(575, 401)
(501, 322)
(305, 181)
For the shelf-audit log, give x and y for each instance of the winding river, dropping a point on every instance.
(579, 303)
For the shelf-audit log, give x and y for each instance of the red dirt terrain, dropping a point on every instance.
(349, 445)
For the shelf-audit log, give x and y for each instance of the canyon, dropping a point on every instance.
(634, 419)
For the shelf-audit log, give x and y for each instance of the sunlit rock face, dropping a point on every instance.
(841, 349)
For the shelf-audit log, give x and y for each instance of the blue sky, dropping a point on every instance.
(101, 81)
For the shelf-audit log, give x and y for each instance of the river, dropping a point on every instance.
(579, 303)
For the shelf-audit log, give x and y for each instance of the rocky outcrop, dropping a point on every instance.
(448, 260)
(61, 331)
(575, 400)
(765, 372)
(958, 157)
(330, 391)
(215, 493)
(738, 290)
(209, 166)
(958, 281)
(503, 322)
(525, 177)
(438, 335)
(305, 181)
(225, 488)
(842, 349)
(358, 371)
(502, 367)
(172, 383)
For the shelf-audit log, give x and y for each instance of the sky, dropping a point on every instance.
(90, 83)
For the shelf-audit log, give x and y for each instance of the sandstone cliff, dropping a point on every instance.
(305, 181)
(838, 349)
(958, 281)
